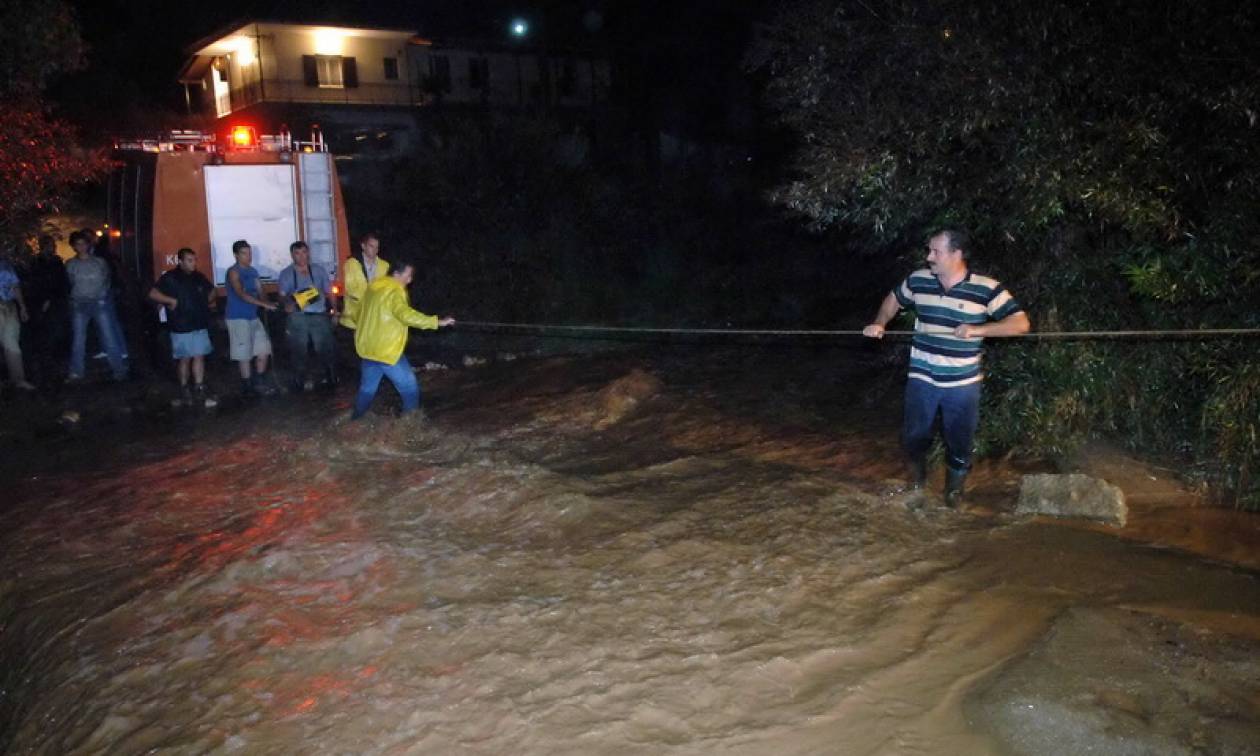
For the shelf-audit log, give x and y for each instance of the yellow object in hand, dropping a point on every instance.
(305, 297)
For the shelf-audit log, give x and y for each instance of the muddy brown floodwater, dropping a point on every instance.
(677, 552)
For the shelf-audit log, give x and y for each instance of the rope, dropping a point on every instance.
(580, 330)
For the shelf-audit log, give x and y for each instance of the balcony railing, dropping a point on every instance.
(281, 90)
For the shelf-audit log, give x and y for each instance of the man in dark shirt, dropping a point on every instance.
(188, 296)
(47, 291)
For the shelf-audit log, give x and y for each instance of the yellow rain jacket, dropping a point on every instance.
(356, 286)
(384, 317)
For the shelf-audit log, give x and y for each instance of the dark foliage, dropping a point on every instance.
(512, 224)
(40, 165)
(1106, 155)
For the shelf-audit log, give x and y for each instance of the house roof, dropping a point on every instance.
(227, 38)
(195, 69)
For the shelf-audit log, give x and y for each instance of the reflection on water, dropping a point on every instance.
(582, 557)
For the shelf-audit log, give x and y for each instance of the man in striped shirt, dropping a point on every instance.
(955, 310)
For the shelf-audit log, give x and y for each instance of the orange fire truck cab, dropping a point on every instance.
(189, 189)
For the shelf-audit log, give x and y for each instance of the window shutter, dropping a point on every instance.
(309, 72)
(349, 73)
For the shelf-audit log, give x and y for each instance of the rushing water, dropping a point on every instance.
(618, 555)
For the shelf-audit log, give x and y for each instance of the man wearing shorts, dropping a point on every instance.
(188, 296)
(247, 338)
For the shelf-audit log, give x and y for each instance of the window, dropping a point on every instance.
(328, 71)
(439, 73)
(391, 69)
(478, 73)
(222, 90)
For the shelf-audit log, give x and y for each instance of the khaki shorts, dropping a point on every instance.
(246, 339)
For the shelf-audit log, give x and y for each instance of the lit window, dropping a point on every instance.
(328, 70)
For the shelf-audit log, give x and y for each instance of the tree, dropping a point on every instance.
(38, 41)
(40, 164)
(1105, 156)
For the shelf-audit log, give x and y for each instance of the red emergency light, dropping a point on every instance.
(336, 289)
(244, 137)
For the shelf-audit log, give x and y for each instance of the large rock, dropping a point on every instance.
(1072, 495)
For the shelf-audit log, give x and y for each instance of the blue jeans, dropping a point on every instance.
(400, 374)
(959, 408)
(116, 324)
(107, 329)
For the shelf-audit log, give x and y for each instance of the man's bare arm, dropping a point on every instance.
(234, 280)
(888, 310)
(162, 298)
(1015, 324)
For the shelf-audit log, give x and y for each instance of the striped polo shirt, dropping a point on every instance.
(936, 355)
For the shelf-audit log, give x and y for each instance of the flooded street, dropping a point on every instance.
(680, 552)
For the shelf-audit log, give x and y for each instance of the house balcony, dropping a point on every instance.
(298, 91)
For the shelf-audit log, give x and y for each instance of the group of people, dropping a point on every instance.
(50, 305)
(376, 308)
(53, 303)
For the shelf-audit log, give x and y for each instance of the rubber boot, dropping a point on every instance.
(329, 382)
(918, 470)
(263, 385)
(955, 483)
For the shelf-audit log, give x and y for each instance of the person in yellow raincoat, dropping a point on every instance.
(362, 270)
(380, 337)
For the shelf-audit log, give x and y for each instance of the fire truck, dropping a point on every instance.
(192, 189)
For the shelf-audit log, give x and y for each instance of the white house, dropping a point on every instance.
(265, 62)
(269, 62)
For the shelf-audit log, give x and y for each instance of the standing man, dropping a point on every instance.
(306, 290)
(381, 337)
(954, 310)
(188, 297)
(247, 338)
(100, 248)
(12, 315)
(47, 292)
(361, 270)
(90, 300)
